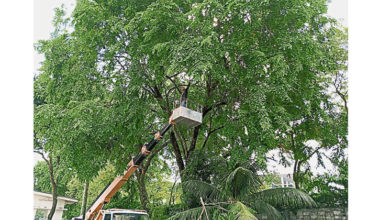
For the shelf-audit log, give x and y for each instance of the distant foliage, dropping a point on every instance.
(42, 179)
(330, 190)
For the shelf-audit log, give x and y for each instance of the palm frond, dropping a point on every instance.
(241, 182)
(198, 188)
(284, 198)
(263, 208)
(194, 214)
(239, 211)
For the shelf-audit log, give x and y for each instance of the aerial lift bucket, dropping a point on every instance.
(185, 116)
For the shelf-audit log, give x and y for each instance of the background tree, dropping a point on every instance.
(318, 124)
(42, 182)
(55, 166)
(330, 189)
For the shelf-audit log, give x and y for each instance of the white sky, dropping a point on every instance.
(43, 16)
(339, 10)
(44, 13)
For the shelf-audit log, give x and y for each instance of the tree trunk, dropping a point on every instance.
(84, 202)
(193, 142)
(296, 173)
(143, 194)
(54, 191)
(172, 197)
(296, 180)
(176, 150)
(54, 204)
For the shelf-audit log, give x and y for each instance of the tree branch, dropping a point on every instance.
(176, 150)
(209, 134)
(152, 155)
(171, 196)
(194, 139)
(342, 96)
(204, 209)
(182, 141)
(42, 155)
(174, 83)
(207, 109)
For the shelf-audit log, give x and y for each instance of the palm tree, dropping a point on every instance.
(238, 197)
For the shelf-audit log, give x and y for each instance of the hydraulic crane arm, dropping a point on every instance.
(181, 115)
(106, 195)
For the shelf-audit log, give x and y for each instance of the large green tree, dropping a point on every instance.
(254, 67)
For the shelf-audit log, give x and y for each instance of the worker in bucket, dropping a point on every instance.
(184, 95)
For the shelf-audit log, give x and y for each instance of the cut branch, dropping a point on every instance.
(42, 155)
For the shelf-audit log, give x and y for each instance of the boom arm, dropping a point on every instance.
(110, 190)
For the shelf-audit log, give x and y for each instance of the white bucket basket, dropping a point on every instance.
(186, 116)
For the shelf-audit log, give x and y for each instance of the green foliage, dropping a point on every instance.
(235, 202)
(240, 211)
(126, 198)
(74, 190)
(208, 166)
(160, 191)
(42, 179)
(201, 189)
(268, 180)
(165, 211)
(264, 209)
(285, 198)
(330, 190)
(195, 213)
(240, 183)
(65, 185)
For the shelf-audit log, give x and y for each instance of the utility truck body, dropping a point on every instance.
(122, 214)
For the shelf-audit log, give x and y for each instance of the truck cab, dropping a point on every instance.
(121, 214)
(125, 214)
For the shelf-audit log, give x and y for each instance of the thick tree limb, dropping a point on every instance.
(208, 109)
(176, 150)
(182, 142)
(174, 83)
(194, 139)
